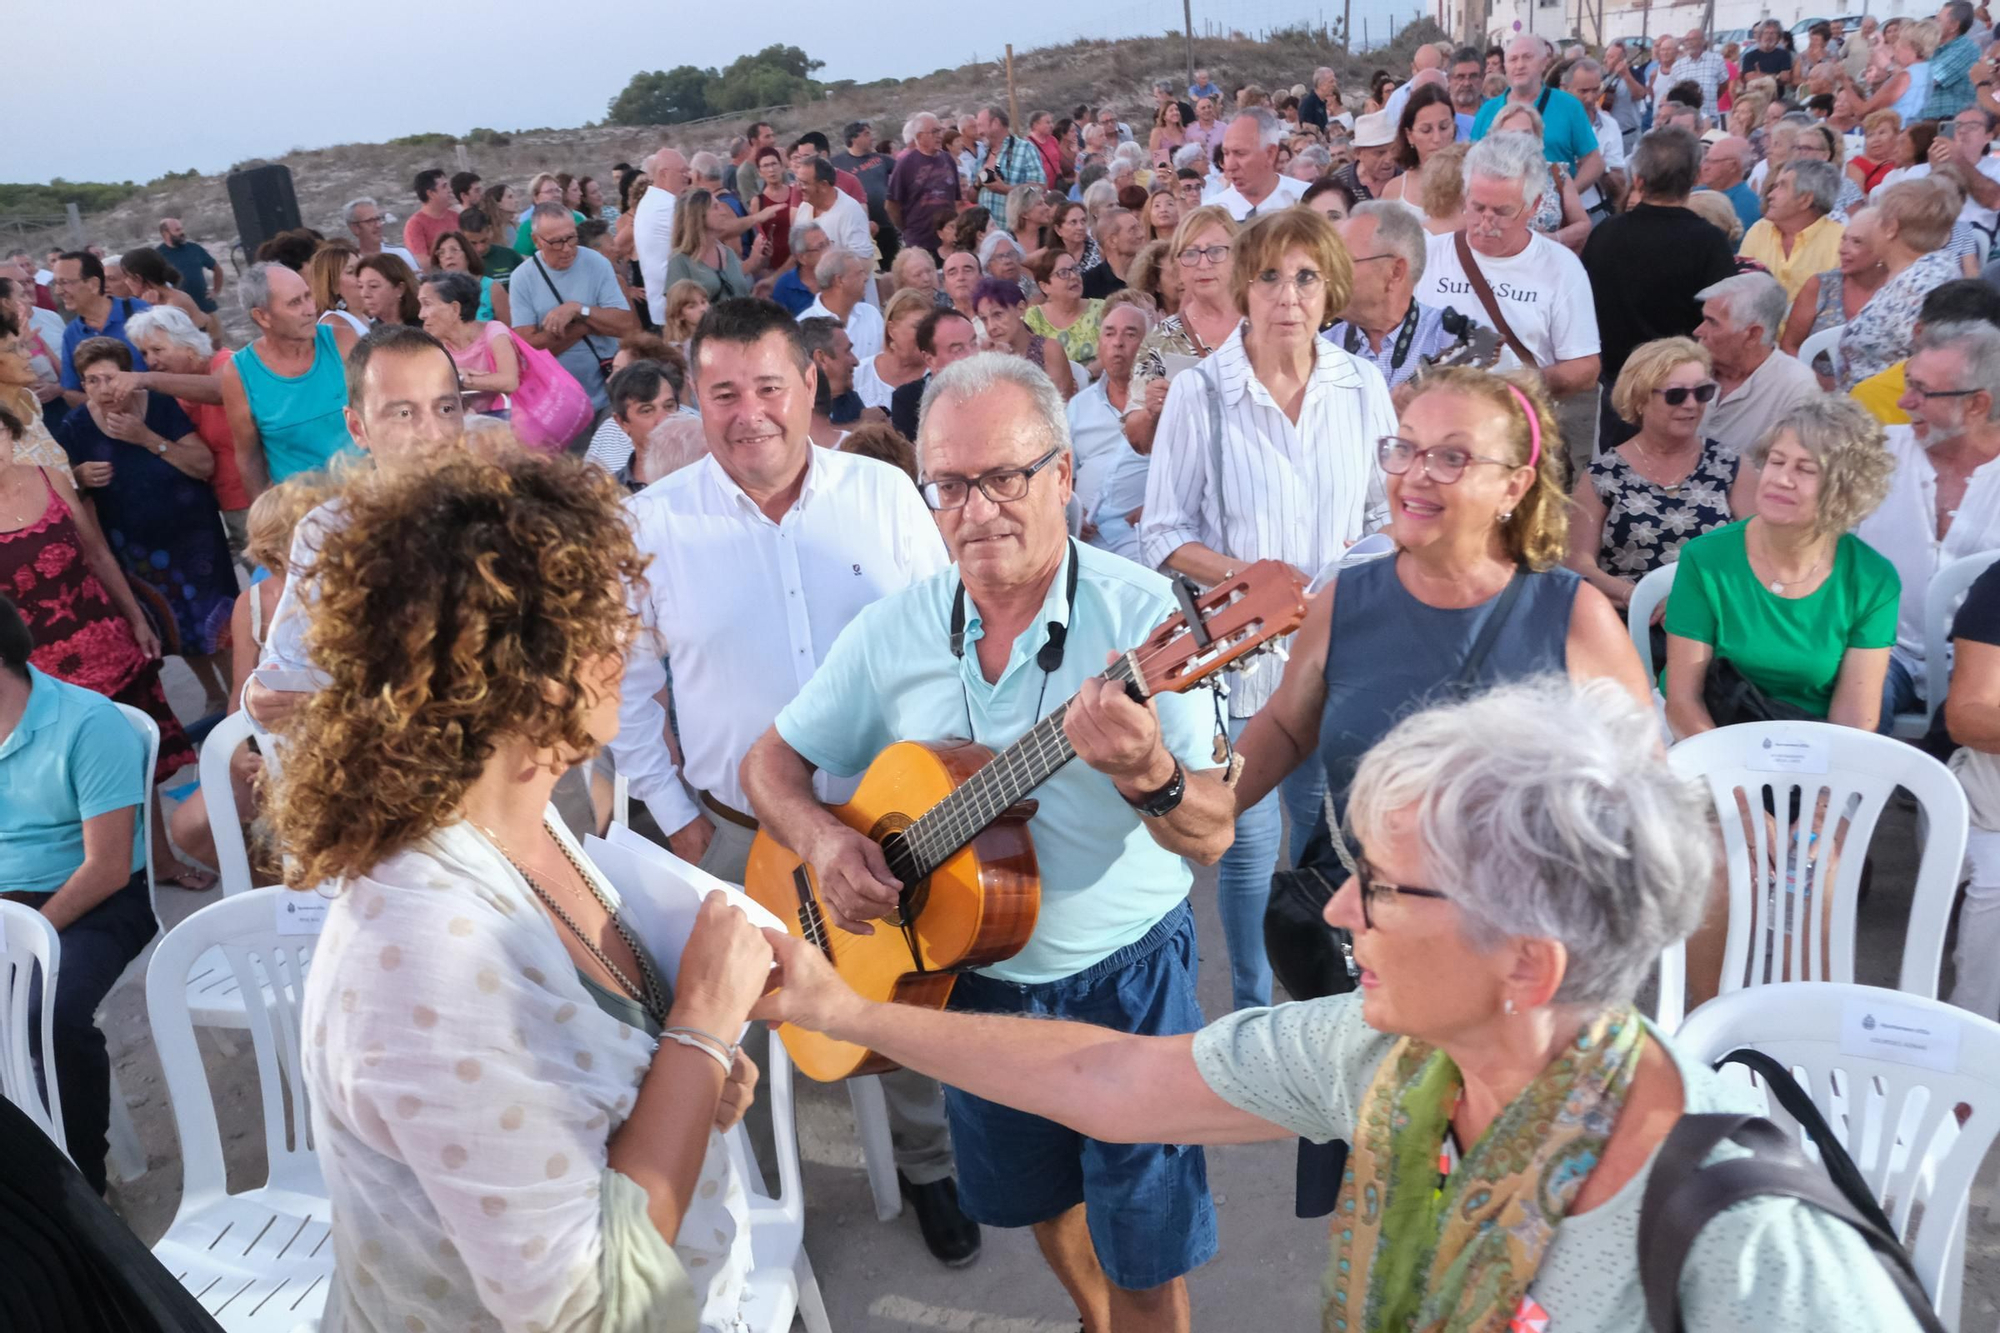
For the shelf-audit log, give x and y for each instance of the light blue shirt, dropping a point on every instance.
(891, 677)
(71, 757)
(535, 289)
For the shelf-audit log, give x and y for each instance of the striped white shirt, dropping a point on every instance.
(1272, 490)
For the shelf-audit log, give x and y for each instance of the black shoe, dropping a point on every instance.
(949, 1234)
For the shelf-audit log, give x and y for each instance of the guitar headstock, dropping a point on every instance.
(1240, 616)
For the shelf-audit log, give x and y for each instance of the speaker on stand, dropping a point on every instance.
(264, 205)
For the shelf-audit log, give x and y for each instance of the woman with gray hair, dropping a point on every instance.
(1524, 858)
(489, 365)
(1907, 226)
(182, 361)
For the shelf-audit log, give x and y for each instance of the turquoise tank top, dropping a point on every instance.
(298, 416)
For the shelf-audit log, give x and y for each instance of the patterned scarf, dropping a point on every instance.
(1413, 1255)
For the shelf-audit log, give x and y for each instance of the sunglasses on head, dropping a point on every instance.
(1703, 392)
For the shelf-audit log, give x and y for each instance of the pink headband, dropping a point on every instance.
(1534, 426)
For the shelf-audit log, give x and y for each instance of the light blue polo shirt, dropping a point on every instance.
(890, 676)
(71, 757)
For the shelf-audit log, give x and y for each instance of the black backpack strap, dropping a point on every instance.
(1798, 1104)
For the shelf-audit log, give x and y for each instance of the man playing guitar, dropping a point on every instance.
(1022, 623)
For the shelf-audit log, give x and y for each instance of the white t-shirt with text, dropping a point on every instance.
(1542, 291)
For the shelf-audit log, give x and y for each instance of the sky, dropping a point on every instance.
(209, 83)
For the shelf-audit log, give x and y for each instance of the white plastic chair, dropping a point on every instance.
(28, 943)
(1896, 1116)
(1941, 603)
(1862, 770)
(1647, 595)
(1826, 340)
(125, 1155)
(218, 794)
(259, 1261)
(781, 1278)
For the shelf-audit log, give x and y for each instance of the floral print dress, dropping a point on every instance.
(1646, 525)
(1879, 336)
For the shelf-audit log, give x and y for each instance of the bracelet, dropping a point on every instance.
(724, 1053)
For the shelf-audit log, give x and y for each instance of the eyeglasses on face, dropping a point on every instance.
(1307, 282)
(1918, 391)
(1196, 254)
(1442, 463)
(559, 242)
(1001, 486)
(1376, 893)
(1703, 392)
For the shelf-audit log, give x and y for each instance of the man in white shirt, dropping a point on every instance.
(1097, 435)
(366, 222)
(1964, 159)
(843, 280)
(844, 221)
(653, 227)
(1540, 287)
(1250, 164)
(1759, 384)
(760, 555)
(1584, 80)
(1944, 498)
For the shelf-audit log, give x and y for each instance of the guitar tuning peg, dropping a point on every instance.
(1278, 648)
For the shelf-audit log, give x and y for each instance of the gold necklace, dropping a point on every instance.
(1779, 585)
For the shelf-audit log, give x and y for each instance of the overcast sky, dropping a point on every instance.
(208, 83)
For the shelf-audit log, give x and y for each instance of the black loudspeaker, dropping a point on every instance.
(264, 203)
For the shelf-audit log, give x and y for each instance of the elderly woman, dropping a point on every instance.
(1289, 279)
(1207, 316)
(1522, 860)
(455, 252)
(1427, 124)
(1000, 307)
(1789, 601)
(1560, 215)
(23, 382)
(1830, 299)
(1907, 225)
(914, 269)
(183, 362)
(878, 377)
(1064, 314)
(489, 364)
(1877, 157)
(138, 458)
(1640, 503)
(333, 275)
(701, 252)
(470, 948)
(1822, 143)
(388, 289)
(1908, 84)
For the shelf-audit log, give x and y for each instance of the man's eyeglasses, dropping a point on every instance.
(366, 222)
(1195, 254)
(1442, 463)
(1376, 893)
(1001, 487)
(1703, 392)
(1928, 394)
(559, 242)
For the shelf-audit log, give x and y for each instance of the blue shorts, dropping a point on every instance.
(1151, 1219)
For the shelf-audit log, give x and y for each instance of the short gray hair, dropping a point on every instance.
(1398, 231)
(347, 210)
(1585, 65)
(1188, 154)
(1752, 298)
(1974, 339)
(1846, 441)
(1820, 180)
(833, 266)
(988, 371)
(1549, 809)
(1270, 130)
(1510, 157)
(1315, 156)
(170, 323)
(802, 230)
(552, 209)
(253, 289)
(705, 166)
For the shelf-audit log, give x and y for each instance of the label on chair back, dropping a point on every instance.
(1884, 1030)
(299, 913)
(1801, 751)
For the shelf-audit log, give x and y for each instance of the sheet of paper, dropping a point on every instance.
(663, 893)
(298, 913)
(1878, 1027)
(1801, 749)
(1175, 363)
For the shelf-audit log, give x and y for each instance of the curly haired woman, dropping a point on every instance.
(502, 1137)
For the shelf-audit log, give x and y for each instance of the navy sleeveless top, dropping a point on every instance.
(1389, 655)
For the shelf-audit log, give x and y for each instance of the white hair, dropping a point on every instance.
(171, 323)
(1191, 157)
(1510, 157)
(253, 289)
(705, 166)
(1975, 340)
(1548, 811)
(981, 374)
(1129, 152)
(1270, 130)
(835, 265)
(1752, 298)
(1397, 231)
(347, 210)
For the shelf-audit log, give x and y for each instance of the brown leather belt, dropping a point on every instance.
(723, 812)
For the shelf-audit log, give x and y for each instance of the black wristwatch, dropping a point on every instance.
(1162, 803)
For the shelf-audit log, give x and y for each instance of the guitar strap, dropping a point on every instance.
(1484, 291)
(1404, 337)
(1049, 659)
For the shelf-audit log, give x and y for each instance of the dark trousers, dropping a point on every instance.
(96, 949)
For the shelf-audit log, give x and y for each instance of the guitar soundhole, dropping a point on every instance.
(888, 832)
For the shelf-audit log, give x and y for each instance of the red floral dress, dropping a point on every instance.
(79, 635)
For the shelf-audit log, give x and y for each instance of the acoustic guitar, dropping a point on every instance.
(952, 817)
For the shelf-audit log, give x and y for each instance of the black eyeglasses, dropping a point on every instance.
(1194, 254)
(1928, 394)
(1442, 463)
(1001, 487)
(1703, 392)
(1375, 892)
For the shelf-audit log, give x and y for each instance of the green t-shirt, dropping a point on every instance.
(499, 261)
(1790, 647)
(524, 235)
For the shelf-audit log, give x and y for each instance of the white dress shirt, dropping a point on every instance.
(745, 610)
(1904, 529)
(863, 324)
(845, 224)
(653, 242)
(1287, 193)
(1097, 437)
(1297, 493)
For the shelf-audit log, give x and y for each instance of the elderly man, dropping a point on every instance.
(1323, 98)
(1120, 237)
(1384, 324)
(944, 337)
(1705, 68)
(1250, 163)
(1097, 434)
(1203, 86)
(1944, 498)
(747, 589)
(653, 226)
(194, 264)
(434, 216)
(1629, 95)
(1858, 50)
(1120, 1226)
(1769, 58)
(1796, 238)
(365, 222)
(1962, 156)
(1004, 160)
(1666, 50)
(834, 364)
(1428, 59)
(1467, 82)
(822, 201)
(1534, 286)
(923, 188)
(1725, 169)
(567, 300)
(285, 394)
(81, 285)
(1584, 80)
(798, 286)
(843, 276)
(1758, 384)
(1569, 135)
(1951, 64)
(1207, 129)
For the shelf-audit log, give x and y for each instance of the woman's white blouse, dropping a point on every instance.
(464, 1088)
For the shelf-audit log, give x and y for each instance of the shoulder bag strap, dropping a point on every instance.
(1489, 633)
(1484, 291)
(1213, 377)
(1798, 1104)
(560, 298)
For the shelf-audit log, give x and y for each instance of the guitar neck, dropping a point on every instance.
(1001, 783)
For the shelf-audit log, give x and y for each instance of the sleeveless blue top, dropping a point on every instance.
(299, 416)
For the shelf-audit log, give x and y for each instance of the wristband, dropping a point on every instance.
(723, 1053)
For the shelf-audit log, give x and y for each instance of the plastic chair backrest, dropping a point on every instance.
(1646, 598)
(28, 943)
(270, 972)
(149, 736)
(225, 821)
(1889, 1071)
(1941, 603)
(1765, 944)
(1826, 340)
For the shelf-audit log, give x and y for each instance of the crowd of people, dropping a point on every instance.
(690, 476)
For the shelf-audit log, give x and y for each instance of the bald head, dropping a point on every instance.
(1427, 57)
(669, 169)
(1726, 163)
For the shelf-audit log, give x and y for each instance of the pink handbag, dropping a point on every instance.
(550, 408)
